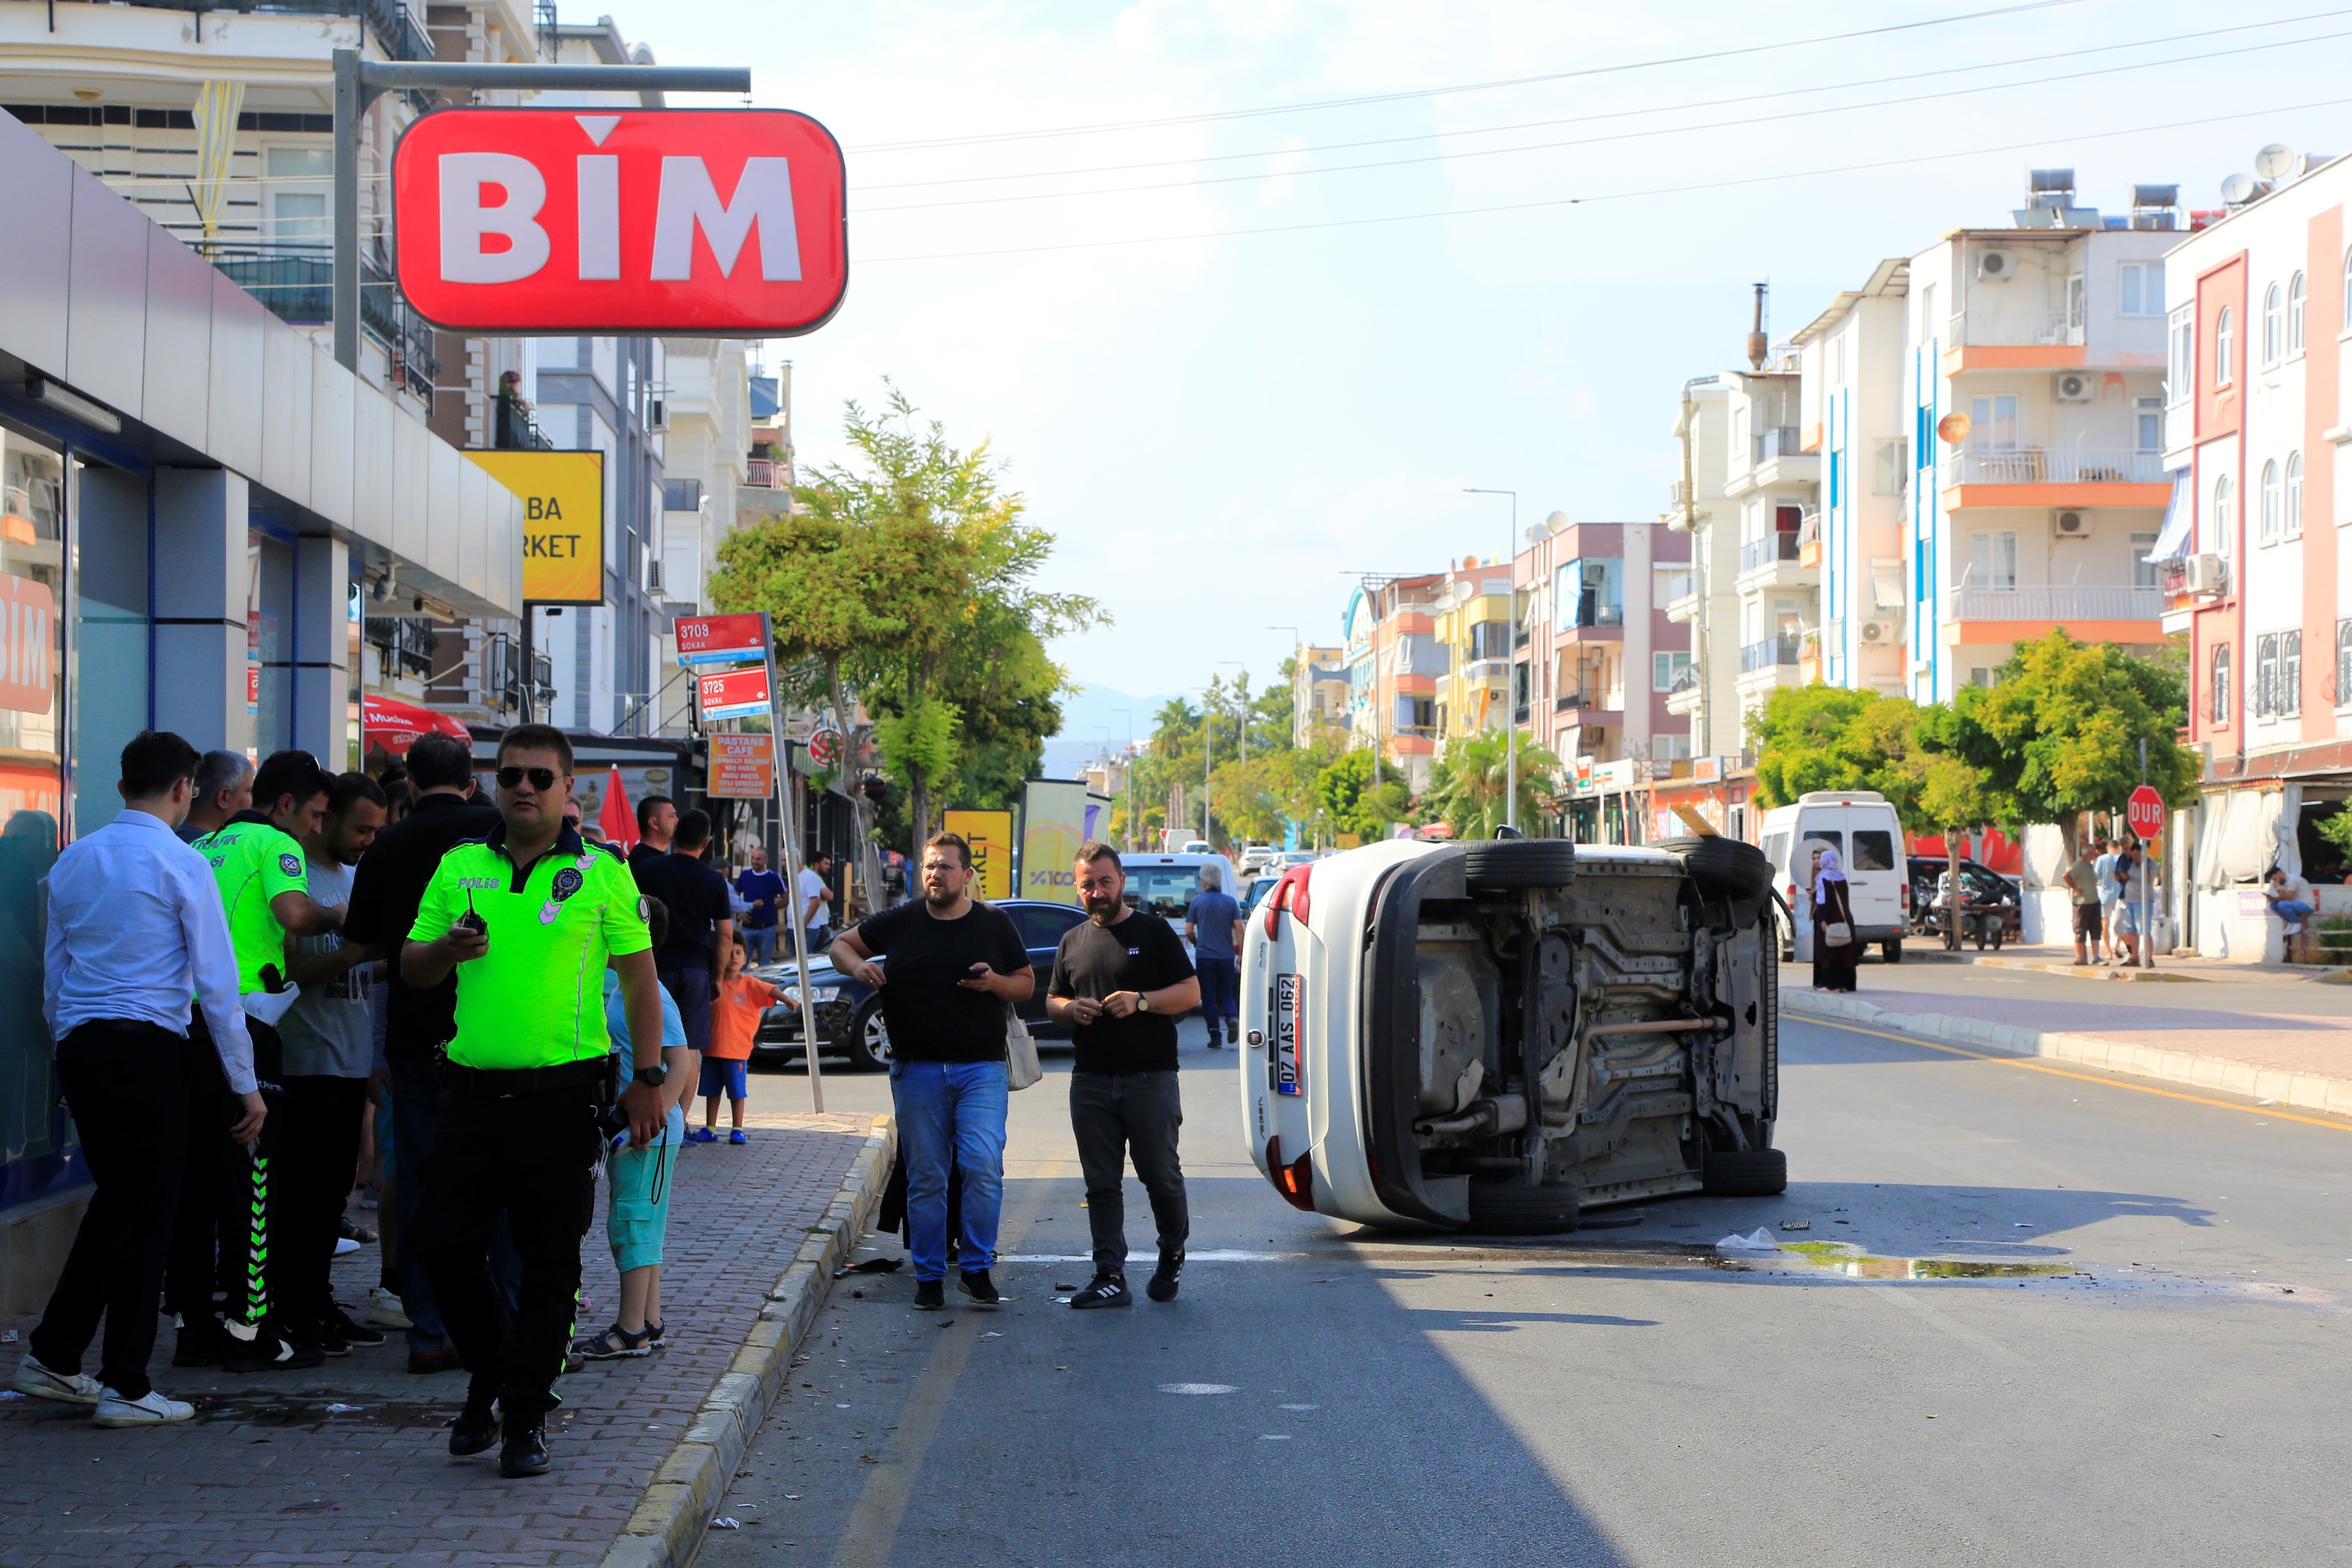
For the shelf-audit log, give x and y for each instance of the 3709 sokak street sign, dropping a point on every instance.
(721, 639)
(721, 222)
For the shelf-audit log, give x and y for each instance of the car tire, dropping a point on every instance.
(1746, 1173)
(1513, 1208)
(868, 1045)
(1893, 950)
(1519, 863)
(1724, 865)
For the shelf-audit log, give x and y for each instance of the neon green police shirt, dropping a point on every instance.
(536, 998)
(253, 862)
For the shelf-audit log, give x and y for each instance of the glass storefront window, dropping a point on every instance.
(33, 500)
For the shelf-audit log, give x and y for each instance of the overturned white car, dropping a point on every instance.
(1493, 1036)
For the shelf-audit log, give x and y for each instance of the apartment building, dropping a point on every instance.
(1603, 659)
(1772, 476)
(2036, 392)
(1394, 663)
(1475, 623)
(2260, 322)
(1705, 696)
(1319, 694)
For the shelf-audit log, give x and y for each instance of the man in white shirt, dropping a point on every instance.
(817, 901)
(135, 928)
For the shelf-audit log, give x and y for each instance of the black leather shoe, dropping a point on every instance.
(525, 1453)
(475, 1428)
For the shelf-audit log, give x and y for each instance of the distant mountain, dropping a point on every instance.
(1095, 718)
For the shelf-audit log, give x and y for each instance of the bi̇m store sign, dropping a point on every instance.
(716, 222)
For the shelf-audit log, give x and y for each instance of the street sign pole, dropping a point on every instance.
(788, 813)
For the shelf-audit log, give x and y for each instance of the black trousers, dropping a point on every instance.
(1120, 1115)
(194, 1274)
(532, 1157)
(317, 1161)
(126, 1084)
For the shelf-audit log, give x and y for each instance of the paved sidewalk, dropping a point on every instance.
(347, 1463)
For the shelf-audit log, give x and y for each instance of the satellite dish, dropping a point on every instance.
(1953, 429)
(2275, 161)
(1555, 522)
(2238, 189)
(1538, 534)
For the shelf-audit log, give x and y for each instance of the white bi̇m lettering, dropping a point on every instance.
(689, 200)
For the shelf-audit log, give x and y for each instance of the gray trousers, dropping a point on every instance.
(1116, 1116)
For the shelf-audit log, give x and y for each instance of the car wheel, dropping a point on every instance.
(1724, 865)
(1893, 950)
(1744, 1172)
(869, 1046)
(1513, 1208)
(1519, 863)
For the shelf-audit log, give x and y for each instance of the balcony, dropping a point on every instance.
(2014, 340)
(394, 27)
(1593, 701)
(2119, 613)
(1684, 611)
(2054, 477)
(297, 282)
(1688, 695)
(1769, 654)
(1775, 561)
(1764, 551)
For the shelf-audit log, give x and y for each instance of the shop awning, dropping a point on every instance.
(388, 724)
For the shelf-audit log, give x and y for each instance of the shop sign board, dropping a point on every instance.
(562, 498)
(742, 767)
(990, 834)
(721, 639)
(1057, 816)
(624, 221)
(28, 612)
(734, 694)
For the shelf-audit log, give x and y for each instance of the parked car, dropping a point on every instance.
(1862, 827)
(1985, 891)
(849, 1021)
(1256, 857)
(1256, 889)
(1497, 1034)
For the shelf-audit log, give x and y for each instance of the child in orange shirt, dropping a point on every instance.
(734, 1025)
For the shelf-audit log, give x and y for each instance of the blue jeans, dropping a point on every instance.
(2292, 910)
(1221, 989)
(758, 943)
(952, 1107)
(415, 1086)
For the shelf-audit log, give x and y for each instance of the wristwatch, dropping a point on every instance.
(653, 1077)
(1142, 1003)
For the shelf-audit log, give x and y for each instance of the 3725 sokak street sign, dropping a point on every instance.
(720, 222)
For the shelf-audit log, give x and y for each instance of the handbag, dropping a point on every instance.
(1837, 933)
(1021, 1068)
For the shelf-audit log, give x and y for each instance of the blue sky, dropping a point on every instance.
(1220, 429)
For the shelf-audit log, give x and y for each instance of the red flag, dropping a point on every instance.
(617, 821)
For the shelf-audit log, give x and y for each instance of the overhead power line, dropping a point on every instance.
(1741, 123)
(1607, 197)
(1318, 105)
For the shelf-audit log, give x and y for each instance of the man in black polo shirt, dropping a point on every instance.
(1120, 982)
(656, 820)
(385, 890)
(701, 929)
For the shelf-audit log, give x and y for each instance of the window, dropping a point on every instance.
(1669, 748)
(1872, 851)
(2225, 339)
(1591, 591)
(1665, 669)
(2148, 418)
(1891, 467)
(2075, 312)
(2273, 324)
(2290, 676)
(2223, 525)
(1992, 560)
(2293, 528)
(2294, 314)
(2343, 662)
(2221, 701)
(2143, 569)
(1993, 424)
(2270, 504)
(1981, 675)
(2180, 357)
(2141, 289)
(1490, 639)
(1669, 580)
(2266, 669)
(301, 179)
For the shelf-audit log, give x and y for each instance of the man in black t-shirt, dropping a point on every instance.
(701, 928)
(1120, 982)
(955, 964)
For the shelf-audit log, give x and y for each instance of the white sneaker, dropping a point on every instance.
(346, 1244)
(154, 1410)
(383, 1310)
(38, 1381)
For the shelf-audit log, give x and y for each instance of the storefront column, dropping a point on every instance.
(202, 581)
(322, 681)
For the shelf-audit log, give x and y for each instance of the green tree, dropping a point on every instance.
(1468, 786)
(2066, 721)
(1352, 803)
(1825, 737)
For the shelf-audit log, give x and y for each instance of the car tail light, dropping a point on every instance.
(1296, 1180)
(1291, 891)
(1906, 898)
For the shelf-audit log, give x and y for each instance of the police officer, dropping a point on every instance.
(529, 918)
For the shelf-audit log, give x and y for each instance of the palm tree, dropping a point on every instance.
(1467, 786)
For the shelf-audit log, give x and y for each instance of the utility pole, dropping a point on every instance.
(1510, 682)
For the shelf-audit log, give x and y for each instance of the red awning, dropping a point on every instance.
(389, 725)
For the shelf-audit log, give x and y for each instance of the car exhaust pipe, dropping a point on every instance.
(1503, 1113)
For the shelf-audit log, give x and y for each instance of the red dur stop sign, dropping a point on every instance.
(2146, 812)
(718, 222)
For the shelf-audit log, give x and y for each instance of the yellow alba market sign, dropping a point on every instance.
(562, 522)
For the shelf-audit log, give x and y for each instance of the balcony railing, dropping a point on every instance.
(1764, 551)
(297, 282)
(1768, 654)
(1686, 681)
(2072, 602)
(1766, 446)
(394, 26)
(2052, 465)
(2017, 330)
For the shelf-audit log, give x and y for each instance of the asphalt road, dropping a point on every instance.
(2172, 1393)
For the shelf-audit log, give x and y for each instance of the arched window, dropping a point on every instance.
(2270, 516)
(2273, 325)
(2224, 525)
(2294, 314)
(2294, 527)
(2225, 337)
(2222, 684)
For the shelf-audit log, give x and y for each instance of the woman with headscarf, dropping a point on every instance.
(1833, 963)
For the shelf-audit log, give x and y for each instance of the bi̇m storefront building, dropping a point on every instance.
(190, 491)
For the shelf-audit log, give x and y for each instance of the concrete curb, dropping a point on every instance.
(2100, 971)
(2308, 1091)
(679, 1502)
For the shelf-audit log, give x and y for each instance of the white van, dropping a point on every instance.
(1167, 884)
(1863, 829)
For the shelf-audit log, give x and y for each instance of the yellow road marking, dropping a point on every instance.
(2268, 1113)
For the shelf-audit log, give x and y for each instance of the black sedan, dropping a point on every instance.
(1983, 888)
(849, 1014)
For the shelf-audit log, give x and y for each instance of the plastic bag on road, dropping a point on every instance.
(1758, 1240)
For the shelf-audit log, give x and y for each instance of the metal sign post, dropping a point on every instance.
(788, 811)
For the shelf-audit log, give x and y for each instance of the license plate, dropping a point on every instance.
(1289, 1014)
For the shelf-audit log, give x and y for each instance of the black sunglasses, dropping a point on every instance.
(540, 778)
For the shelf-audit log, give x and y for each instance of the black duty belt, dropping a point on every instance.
(504, 1082)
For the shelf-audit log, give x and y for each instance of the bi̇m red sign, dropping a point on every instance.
(718, 222)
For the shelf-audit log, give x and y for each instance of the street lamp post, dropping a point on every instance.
(1511, 682)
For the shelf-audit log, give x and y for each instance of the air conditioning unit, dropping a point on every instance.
(1995, 267)
(654, 574)
(2070, 523)
(1881, 633)
(2075, 386)
(2208, 575)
